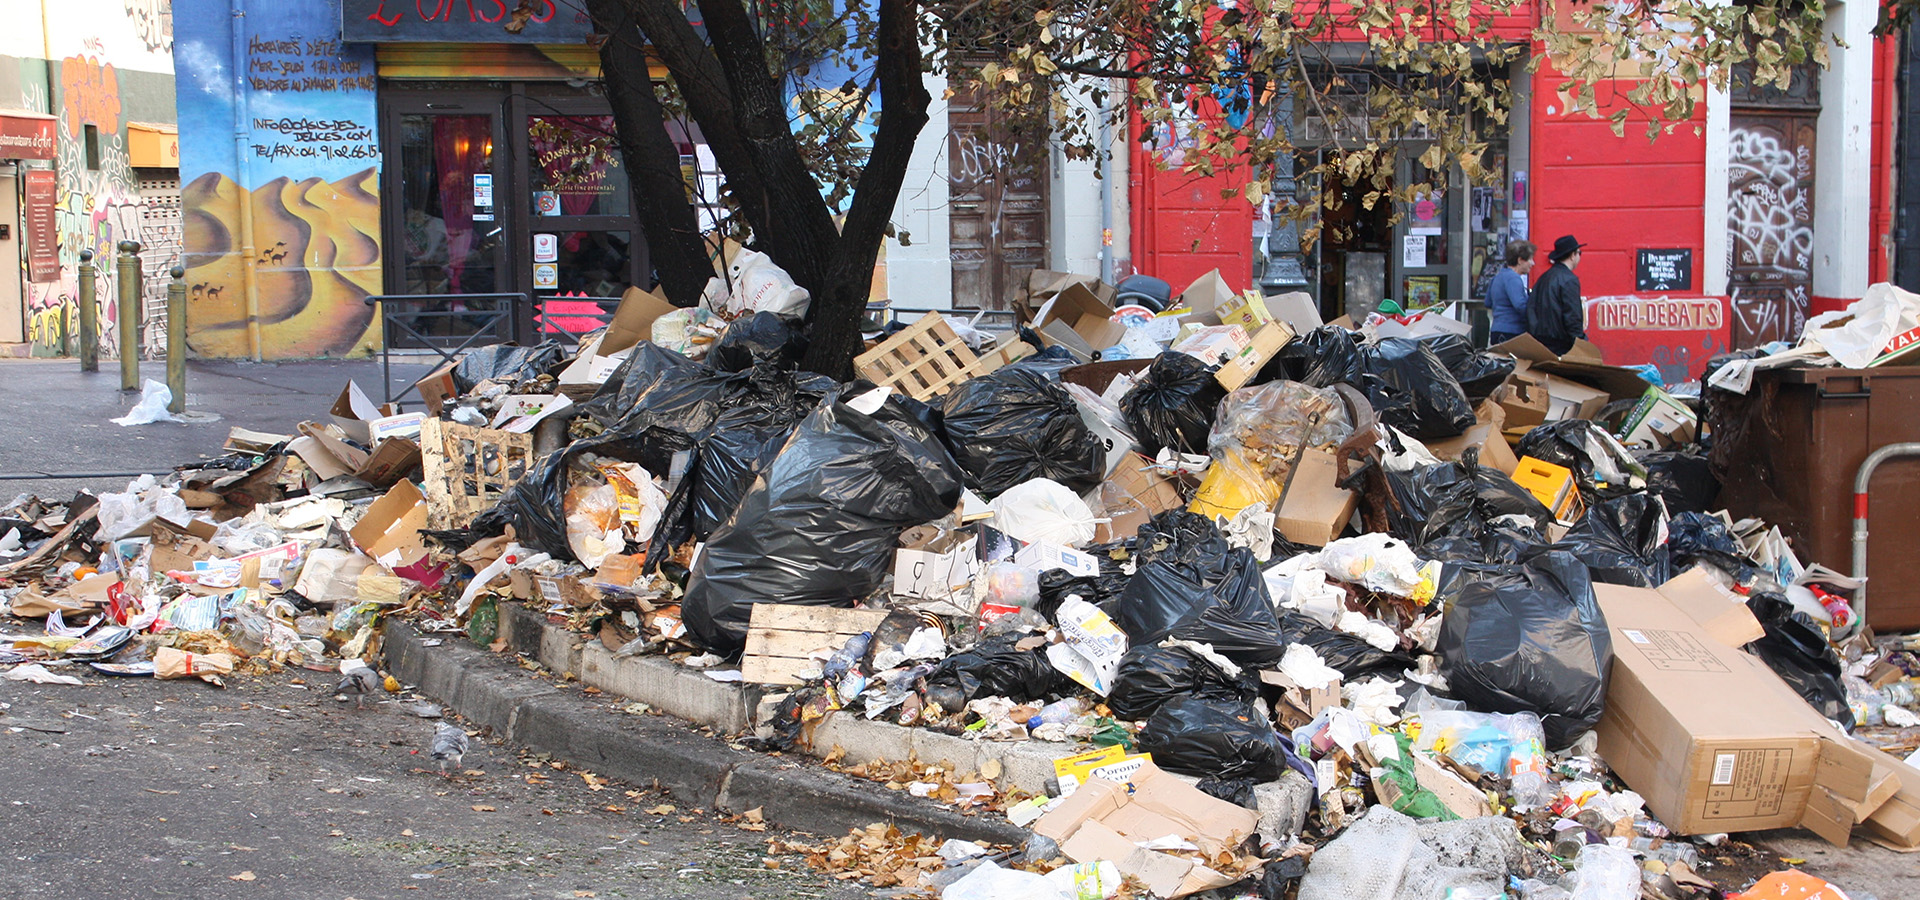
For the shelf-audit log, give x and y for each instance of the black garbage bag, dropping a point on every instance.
(1048, 361)
(1056, 585)
(995, 667)
(505, 363)
(536, 508)
(1173, 404)
(1325, 356)
(1456, 500)
(1237, 791)
(1013, 425)
(742, 445)
(1149, 676)
(820, 526)
(1478, 372)
(1527, 638)
(1503, 544)
(646, 366)
(1694, 538)
(1621, 541)
(1563, 443)
(1213, 738)
(1796, 649)
(763, 339)
(1352, 655)
(1191, 585)
(1411, 390)
(1682, 478)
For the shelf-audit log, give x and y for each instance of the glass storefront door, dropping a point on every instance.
(444, 220)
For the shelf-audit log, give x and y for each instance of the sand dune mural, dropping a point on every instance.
(315, 260)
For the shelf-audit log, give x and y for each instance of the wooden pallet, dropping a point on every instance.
(783, 640)
(924, 360)
(467, 469)
(1006, 353)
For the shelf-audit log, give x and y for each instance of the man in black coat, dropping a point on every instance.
(1554, 312)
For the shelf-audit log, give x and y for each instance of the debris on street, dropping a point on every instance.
(1326, 610)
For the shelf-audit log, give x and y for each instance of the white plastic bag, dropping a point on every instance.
(990, 882)
(1044, 511)
(1376, 561)
(754, 284)
(152, 407)
(143, 500)
(1857, 335)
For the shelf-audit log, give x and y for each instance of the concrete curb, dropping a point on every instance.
(492, 692)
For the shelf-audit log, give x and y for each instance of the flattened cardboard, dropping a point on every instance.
(1711, 738)
(390, 530)
(1582, 363)
(632, 323)
(1102, 820)
(394, 459)
(1262, 345)
(1315, 509)
(1079, 321)
(1486, 435)
(1133, 493)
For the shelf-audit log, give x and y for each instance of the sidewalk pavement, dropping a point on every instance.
(58, 419)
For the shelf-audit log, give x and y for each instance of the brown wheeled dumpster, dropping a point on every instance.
(1788, 451)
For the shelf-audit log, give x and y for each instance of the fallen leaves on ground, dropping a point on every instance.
(243, 876)
(480, 807)
(879, 854)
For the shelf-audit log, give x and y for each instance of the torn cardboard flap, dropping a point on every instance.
(632, 323)
(1315, 508)
(355, 412)
(1113, 821)
(390, 530)
(1203, 298)
(1079, 321)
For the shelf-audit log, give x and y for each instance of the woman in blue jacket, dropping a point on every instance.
(1507, 298)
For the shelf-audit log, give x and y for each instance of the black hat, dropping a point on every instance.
(1563, 247)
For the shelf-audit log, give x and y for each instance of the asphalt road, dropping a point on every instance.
(271, 789)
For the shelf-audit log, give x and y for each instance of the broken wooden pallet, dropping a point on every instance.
(923, 360)
(785, 640)
(467, 469)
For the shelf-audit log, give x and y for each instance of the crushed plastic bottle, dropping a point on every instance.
(1606, 872)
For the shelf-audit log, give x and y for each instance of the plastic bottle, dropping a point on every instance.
(1835, 605)
(1059, 712)
(1667, 851)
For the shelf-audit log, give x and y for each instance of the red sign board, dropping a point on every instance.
(26, 136)
(43, 241)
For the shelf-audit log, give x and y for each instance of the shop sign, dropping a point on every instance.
(26, 136)
(466, 21)
(43, 241)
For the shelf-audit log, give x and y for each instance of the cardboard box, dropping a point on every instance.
(1486, 436)
(393, 460)
(1203, 298)
(941, 572)
(1314, 509)
(1298, 309)
(1214, 344)
(632, 323)
(390, 530)
(1582, 363)
(1571, 400)
(438, 388)
(1079, 321)
(1246, 309)
(1044, 284)
(355, 412)
(1106, 820)
(1661, 420)
(1706, 733)
(1524, 400)
(1261, 346)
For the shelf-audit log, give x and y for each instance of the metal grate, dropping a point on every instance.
(162, 236)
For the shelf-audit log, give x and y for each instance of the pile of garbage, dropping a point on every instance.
(1330, 610)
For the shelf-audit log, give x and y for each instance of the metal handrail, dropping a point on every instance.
(885, 314)
(509, 312)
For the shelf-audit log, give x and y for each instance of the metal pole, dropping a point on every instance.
(177, 340)
(89, 316)
(129, 313)
(1862, 480)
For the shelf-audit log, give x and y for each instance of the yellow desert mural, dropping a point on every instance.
(314, 261)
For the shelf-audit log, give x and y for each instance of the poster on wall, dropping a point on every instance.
(43, 237)
(1663, 270)
(1413, 251)
(308, 164)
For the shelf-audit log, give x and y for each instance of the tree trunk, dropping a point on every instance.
(658, 187)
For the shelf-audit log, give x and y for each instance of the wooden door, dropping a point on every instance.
(1770, 224)
(997, 209)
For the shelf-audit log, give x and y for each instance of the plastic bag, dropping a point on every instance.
(1352, 655)
(1013, 426)
(143, 500)
(1278, 417)
(988, 881)
(1195, 587)
(505, 364)
(1173, 404)
(994, 667)
(820, 527)
(1214, 738)
(593, 523)
(753, 283)
(1323, 357)
(1527, 638)
(1479, 373)
(1796, 649)
(1694, 538)
(764, 338)
(1683, 479)
(1376, 562)
(1622, 541)
(151, 407)
(1411, 390)
(1150, 676)
(1595, 457)
(1456, 500)
(1857, 335)
(1043, 511)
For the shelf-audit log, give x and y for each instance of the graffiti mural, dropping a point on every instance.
(98, 207)
(1770, 225)
(305, 175)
